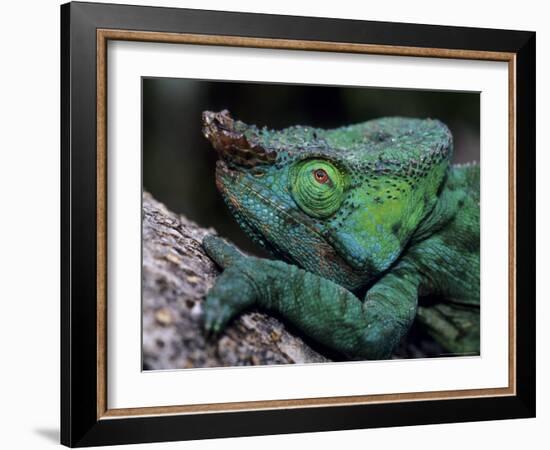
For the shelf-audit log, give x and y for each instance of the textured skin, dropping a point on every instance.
(372, 211)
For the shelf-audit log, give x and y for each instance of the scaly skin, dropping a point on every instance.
(372, 211)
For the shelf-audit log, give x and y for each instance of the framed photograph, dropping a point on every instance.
(277, 224)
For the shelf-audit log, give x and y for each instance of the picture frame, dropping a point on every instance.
(86, 418)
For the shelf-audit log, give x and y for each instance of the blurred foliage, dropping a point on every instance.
(178, 163)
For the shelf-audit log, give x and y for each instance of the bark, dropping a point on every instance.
(176, 276)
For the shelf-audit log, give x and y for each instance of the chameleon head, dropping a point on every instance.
(340, 203)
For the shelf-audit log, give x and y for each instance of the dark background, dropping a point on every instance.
(178, 163)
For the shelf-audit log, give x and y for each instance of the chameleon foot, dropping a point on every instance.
(233, 291)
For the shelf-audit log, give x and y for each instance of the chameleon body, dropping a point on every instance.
(365, 223)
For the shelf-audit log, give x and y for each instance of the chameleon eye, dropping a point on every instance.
(317, 186)
(321, 176)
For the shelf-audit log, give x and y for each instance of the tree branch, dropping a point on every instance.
(176, 276)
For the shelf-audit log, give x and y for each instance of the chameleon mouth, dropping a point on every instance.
(229, 182)
(225, 176)
(233, 144)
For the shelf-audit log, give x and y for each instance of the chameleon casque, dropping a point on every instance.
(370, 224)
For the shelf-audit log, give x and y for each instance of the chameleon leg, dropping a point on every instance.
(454, 326)
(321, 309)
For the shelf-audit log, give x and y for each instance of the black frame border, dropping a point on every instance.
(79, 423)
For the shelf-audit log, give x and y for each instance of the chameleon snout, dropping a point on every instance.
(232, 142)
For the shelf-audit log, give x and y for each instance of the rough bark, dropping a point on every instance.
(176, 276)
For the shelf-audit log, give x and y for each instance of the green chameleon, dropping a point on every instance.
(371, 225)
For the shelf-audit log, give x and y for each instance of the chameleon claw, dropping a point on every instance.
(216, 316)
(211, 323)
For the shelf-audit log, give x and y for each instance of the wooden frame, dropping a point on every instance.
(86, 418)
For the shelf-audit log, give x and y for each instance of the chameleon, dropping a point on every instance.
(370, 226)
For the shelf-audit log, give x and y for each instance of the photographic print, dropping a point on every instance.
(257, 207)
(292, 224)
